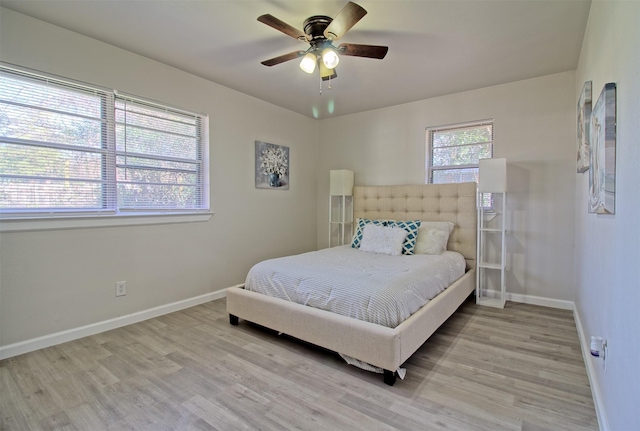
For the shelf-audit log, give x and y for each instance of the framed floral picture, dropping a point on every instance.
(584, 121)
(602, 174)
(272, 166)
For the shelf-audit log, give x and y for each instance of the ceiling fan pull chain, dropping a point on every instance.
(320, 85)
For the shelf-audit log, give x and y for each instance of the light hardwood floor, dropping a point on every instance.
(485, 369)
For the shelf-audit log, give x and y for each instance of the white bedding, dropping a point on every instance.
(376, 288)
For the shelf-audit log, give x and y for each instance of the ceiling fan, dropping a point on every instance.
(320, 31)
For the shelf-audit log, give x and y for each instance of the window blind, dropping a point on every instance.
(454, 151)
(67, 148)
(158, 157)
(53, 145)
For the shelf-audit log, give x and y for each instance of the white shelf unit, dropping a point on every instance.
(491, 254)
(340, 207)
(340, 219)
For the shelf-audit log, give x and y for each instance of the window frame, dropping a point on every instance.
(430, 168)
(109, 214)
(488, 203)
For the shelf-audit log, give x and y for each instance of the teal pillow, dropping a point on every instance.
(360, 224)
(412, 227)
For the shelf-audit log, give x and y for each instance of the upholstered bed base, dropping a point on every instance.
(384, 347)
(377, 345)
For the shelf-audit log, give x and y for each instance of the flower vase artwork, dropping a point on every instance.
(272, 166)
(274, 180)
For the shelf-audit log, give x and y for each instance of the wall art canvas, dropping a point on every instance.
(602, 175)
(584, 122)
(272, 166)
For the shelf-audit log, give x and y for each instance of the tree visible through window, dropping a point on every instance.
(69, 148)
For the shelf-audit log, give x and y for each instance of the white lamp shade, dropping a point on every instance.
(492, 175)
(308, 63)
(330, 58)
(341, 182)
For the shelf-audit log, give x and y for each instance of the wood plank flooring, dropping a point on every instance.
(520, 368)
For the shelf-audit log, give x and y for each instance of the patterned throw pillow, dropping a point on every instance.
(412, 227)
(360, 224)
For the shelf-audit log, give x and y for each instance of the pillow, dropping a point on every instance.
(360, 224)
(382, 240)
(433, 237)
(412, 228)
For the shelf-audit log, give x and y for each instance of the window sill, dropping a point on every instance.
(81, 222)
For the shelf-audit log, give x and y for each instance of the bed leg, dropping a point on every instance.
(389, 377)
(233, 319)
(472, 296)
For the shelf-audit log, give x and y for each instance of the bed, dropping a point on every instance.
(380, 346)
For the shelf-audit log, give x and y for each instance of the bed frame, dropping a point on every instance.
(378, 345)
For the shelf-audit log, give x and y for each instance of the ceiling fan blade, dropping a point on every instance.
(283, 58)
(369, 51)
(282, 26)
(346, 18)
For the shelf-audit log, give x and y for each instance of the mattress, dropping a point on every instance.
(375, 288)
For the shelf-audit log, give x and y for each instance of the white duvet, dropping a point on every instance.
(376, 288)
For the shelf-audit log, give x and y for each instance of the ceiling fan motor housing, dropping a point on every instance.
(314, 27)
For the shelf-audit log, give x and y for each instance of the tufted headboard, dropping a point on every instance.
(430, 202)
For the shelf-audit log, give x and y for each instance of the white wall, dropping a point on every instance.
(534, 129)
(57, 280)
(608, 246)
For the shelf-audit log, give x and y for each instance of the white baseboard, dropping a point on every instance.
(539, 300)
(27, 346)
(603, 422)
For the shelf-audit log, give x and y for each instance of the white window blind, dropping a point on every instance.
(53, 143)
(453, 151)
(69, 149)
(158, 157)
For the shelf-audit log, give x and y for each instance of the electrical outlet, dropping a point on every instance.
(121, 288)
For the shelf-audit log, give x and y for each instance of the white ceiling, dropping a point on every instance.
(435, 47)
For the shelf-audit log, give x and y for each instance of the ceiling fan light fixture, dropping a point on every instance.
(330, 58)
(319, 32)
(308, 63)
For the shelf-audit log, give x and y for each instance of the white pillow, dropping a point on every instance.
(433, 237)
(382, 240)
(360, 224)
(412, 227)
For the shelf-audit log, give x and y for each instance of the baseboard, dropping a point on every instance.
(603, 422)
(539, 300)
(27, 346)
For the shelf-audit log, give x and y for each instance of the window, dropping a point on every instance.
(70, 149)
(159, 163)
(453, 151)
